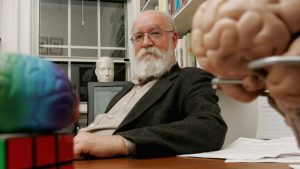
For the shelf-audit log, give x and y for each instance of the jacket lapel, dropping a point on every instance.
(159, 88)
(117, 97)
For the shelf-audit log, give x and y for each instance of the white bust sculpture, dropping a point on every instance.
(105, 69)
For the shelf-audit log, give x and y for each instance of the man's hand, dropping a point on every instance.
(98, 146)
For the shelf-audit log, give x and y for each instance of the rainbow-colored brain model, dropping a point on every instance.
(35, 95)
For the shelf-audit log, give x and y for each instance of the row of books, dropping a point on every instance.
(183, 52)
(170, 6)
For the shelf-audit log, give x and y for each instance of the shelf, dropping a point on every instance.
(150, 4)
(184, 17)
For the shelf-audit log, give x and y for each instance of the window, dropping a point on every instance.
(75, 33)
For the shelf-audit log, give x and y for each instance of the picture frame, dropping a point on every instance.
(43, 41)
(58, 42)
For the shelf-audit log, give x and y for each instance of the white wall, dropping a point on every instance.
(16, 26)
(9, 28)
(25, 26)
(241, 118)
(1, 11)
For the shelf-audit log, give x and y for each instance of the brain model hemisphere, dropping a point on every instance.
(35, 95)
(228, 34)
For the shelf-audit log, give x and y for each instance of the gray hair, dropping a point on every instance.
(171, 22)
(169, 18)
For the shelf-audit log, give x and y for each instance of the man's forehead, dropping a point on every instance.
(143, 27)
(150, 21)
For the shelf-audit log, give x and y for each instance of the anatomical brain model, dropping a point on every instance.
(35, 95)
(228, 34)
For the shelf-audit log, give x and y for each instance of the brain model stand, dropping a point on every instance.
(36, 100)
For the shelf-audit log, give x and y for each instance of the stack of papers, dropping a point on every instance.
(295, 166)
(283, 150)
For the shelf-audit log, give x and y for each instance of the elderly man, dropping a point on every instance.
(165, 111)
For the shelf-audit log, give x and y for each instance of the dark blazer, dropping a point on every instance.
(178, 115)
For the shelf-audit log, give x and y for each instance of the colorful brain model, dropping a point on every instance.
(35, 95)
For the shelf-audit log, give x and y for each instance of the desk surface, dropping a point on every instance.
(172, 163)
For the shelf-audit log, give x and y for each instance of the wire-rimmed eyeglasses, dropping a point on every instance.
(153, 35)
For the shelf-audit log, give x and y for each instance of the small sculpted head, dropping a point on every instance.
(105, 69)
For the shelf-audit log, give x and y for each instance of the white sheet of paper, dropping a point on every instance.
(294, 166)
(270, 124)
(282, 159)
(253, 149)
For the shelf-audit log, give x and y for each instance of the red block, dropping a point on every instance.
(65, 148)
(45, 150)
(19, 153)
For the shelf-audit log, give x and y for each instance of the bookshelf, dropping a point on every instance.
(182, 17)
(149, 4)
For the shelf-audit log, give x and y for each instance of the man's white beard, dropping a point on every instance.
(153, 63)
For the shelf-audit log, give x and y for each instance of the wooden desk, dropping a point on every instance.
(172, 163)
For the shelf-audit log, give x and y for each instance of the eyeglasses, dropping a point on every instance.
(153, 35)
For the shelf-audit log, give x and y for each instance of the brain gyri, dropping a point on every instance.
(35, 95)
